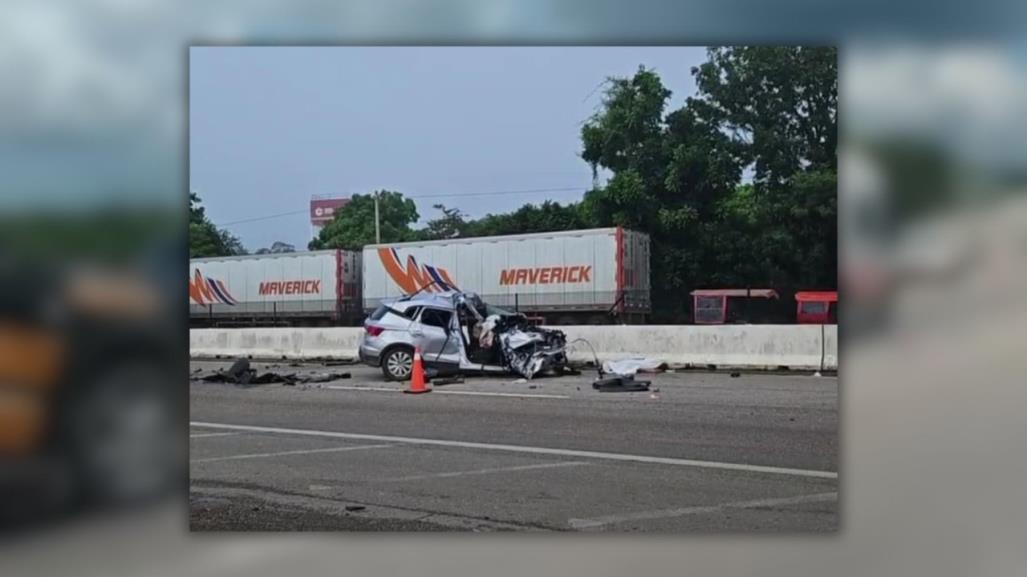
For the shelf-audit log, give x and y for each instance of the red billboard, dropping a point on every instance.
(322, 210)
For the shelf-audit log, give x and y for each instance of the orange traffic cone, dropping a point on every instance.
(417, 382)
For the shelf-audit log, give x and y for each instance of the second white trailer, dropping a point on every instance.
(317, 287)
(562, 274)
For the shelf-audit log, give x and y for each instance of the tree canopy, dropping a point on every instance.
(277, 247)
(452, 224)
(205, 239)
(353, 225)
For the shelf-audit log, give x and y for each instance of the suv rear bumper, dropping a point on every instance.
(369, 356)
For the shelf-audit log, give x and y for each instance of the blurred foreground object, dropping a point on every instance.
(90, 410)
(933, 151)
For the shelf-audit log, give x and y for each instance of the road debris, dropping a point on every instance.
(620, 384)
(340, 363)
(355, 507)
(240, 373)
(632, 365)
(447, 381)
(321, 377)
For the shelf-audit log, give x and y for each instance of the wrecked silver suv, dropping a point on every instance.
(457, 332)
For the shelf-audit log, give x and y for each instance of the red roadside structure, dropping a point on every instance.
(816, 307)
(710, 306)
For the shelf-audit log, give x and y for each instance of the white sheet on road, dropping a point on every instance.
(632, 365)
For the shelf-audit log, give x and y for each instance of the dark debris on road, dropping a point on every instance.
(240, 373)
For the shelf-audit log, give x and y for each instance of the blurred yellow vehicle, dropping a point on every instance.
(91, 405)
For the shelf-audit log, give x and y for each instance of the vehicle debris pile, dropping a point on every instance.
(620, 384)
(240, 373)
(528, 350)
(510, 340)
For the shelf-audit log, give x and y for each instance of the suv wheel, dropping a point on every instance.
(398, 364)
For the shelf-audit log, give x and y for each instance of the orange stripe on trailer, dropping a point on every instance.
(395, 270)
(199, 291)
(445, 277)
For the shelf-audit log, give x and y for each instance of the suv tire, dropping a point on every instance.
(398, 364)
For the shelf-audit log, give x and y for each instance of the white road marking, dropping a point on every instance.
(486, 471)
(283, 453)
(486, 394)
(353, 388)
(438, 392)
(700, 510)
(202, 435)
(530, 450)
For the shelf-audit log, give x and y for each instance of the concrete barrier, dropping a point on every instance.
(293, 343)
(725, 346)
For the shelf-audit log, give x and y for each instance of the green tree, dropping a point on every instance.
(677, 175)
(451, 224)
(277, 247)
(353, 226)
(205, 239)
(628, 132)
(547, 217)
(779, 105)
(669, 173)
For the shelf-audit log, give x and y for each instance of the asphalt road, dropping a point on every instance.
(701, 452)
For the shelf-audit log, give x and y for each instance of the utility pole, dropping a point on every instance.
(377, 225)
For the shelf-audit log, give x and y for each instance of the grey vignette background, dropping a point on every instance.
(932, 432)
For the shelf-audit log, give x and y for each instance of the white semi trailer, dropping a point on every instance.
(572, 276)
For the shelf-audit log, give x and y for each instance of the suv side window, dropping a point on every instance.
(436, 318)
(411, 313)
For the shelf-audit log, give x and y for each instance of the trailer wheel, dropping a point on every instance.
(398, 364)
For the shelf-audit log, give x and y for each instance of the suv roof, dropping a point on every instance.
(440, 300)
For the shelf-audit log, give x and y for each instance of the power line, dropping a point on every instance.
(453, 195)
(501, 192)
(270, 216)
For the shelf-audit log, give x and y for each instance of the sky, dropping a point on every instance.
(269, 127)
